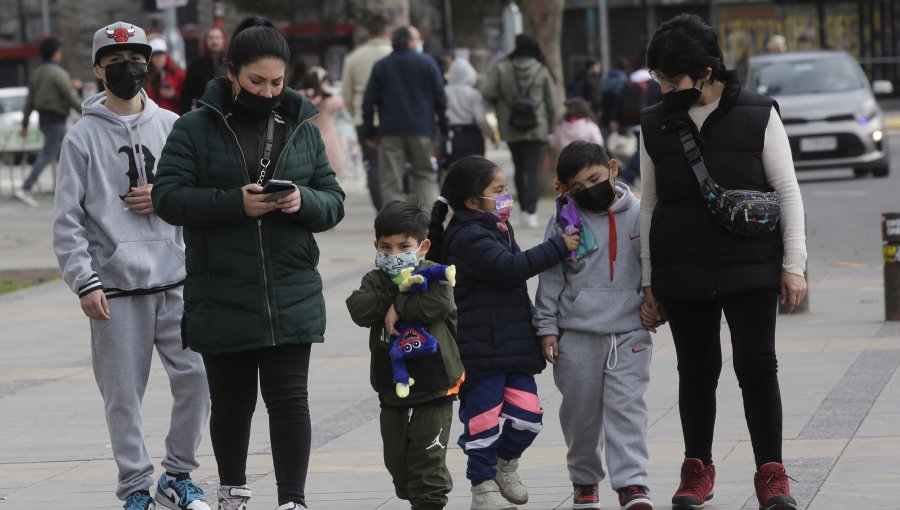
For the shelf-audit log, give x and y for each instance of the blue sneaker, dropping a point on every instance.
(139, 500)
(179, 494)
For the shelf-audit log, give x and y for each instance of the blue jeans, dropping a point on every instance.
(54, 131)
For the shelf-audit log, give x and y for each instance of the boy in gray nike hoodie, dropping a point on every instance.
(587, 313)
(127, 267)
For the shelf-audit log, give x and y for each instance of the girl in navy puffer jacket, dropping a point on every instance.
(496, 339)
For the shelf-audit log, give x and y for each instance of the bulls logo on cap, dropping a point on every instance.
(120, 35)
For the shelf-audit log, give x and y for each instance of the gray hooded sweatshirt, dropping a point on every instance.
(464, 102)
(599, 293)
(98, 242)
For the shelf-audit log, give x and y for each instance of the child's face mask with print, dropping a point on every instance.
(397, 252)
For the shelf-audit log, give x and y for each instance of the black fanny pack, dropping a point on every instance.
(742, 212)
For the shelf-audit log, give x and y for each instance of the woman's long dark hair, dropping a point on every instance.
(527, 46)
(466, 179)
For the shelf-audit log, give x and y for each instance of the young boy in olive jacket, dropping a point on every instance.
(415, 429)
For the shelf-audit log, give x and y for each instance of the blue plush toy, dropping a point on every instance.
(413, 340)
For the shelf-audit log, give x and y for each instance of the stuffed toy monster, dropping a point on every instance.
(413, 340)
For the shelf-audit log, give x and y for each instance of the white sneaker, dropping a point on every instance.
(26, 198)
(509, 483)
(531, 220)
(234, 497)
(486, 496)
(291, 506)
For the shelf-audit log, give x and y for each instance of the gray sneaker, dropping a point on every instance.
(234, 497)
(25, 197)
(291, 506)
(486, 496)
(511, 486)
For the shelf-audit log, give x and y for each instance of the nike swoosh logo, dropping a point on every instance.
(638, 350)
(632, 238)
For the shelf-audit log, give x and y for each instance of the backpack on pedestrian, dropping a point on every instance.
(523, 110)
(632, 100)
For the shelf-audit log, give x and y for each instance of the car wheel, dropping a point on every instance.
(881, 171)
(860, 172)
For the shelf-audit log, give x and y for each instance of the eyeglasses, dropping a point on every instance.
(671, 82)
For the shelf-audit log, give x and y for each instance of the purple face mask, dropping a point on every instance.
(502, 210)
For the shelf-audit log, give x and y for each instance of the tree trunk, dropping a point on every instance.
(543, 19)
(395, 11)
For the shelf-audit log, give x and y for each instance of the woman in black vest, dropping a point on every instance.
(700, 270)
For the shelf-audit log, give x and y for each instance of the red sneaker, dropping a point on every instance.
(634, 497)
(585, 497)
(773, 489)
(696, 485)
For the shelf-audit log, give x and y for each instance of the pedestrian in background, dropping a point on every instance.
(52, 93)
(127, 267)
(253, 295)
(578, 123)
(496, 339)
(204, 68)
(164, 78)
(415, 427)
(588, 85)
(613, 82)
(523, 83)
(699, 269)
(355, 76)
(317, 88)
(465, 113)
(640, 92)
(407, 91)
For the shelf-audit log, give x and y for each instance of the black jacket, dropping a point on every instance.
(407, 89)
(495, 327)
(691, 255)
(199, 72)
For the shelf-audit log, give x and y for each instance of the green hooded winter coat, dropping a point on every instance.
(251, 282)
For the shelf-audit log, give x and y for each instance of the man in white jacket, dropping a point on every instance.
(127, 267)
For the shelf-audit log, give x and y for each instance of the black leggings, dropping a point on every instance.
(282, 372)
(695, 327)
(526, 157)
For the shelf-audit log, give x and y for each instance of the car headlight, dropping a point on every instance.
(877, 135)
(866, 112)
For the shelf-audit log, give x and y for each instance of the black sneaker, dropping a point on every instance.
(634, 497)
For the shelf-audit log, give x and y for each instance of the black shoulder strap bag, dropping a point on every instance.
(742, 212)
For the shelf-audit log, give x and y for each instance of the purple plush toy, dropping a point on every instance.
(568, 218)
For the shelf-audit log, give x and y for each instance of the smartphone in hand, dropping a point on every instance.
(276, 189)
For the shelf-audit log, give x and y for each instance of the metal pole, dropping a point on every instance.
(890, 236)
(603, 36)
(45, 16)
(173, 36)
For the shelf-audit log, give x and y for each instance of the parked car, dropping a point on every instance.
(12, 147)
(828, 108)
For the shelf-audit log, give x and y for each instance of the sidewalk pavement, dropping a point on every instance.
(839, 379)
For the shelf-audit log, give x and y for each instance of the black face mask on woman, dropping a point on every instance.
(681, 100)
(125, 79)
(258, 105)
(598, 197)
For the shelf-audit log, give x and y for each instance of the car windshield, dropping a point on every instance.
(806, 76)
(12, 104)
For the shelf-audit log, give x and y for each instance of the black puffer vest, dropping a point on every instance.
(691, 255)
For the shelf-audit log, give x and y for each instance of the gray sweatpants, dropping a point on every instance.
(122, 349)
(603, 405)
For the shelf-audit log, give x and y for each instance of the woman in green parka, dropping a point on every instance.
(253, 295)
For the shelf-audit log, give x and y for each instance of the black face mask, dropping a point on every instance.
(125, 79)
(681, 100)
(598, 197)
(258, 105)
